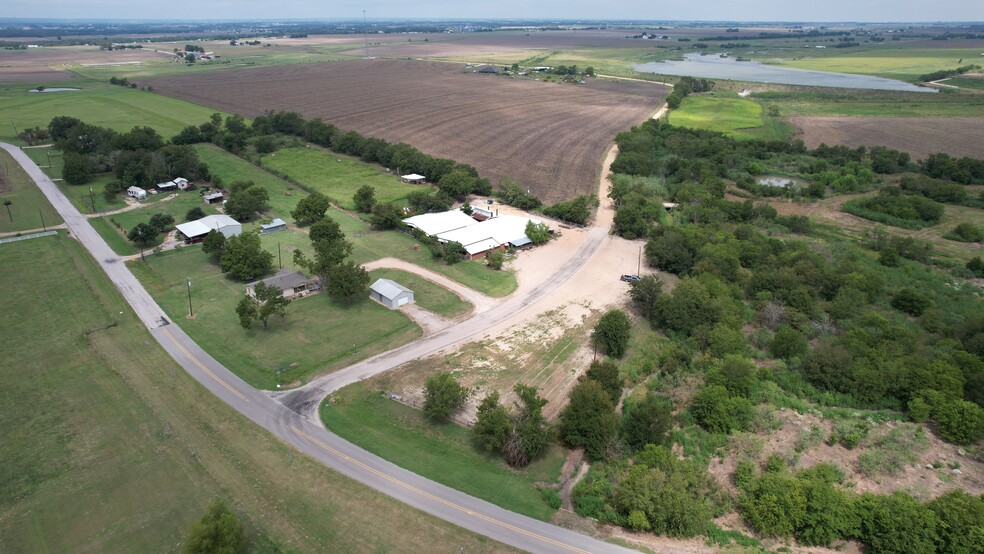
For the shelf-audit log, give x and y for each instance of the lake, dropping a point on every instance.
(713, 66)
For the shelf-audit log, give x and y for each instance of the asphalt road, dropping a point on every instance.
(295, 420)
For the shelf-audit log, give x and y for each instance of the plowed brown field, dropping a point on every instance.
(551, 137)
(919, 136)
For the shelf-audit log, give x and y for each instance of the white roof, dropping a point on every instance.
(481, 246)
(275, 223)
(442, 222)
(166, 185)
(204, 225)
(135, 189)
(413, 177)
(495, 231)
(388, 289)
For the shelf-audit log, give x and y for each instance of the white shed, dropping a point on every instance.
(390, 293)
(195, 231)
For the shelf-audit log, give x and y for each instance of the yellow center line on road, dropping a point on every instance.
(205, 369)
(409, 487)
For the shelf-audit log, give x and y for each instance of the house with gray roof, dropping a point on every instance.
(390, 293)
(292, 283)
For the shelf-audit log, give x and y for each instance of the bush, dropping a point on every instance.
(646, 422)
(194, 214)
(960, 421)
(612, 333)
(589, 420)
(965, 232)
(717, 411)
(896, 524)
(219, 531)
(899, 210)
(575, 211)
(961, 522)
(495, 258)
(909, 301)
(443, 396)
(364, 199)
(788, 343)
(774, 505)
(551, 497)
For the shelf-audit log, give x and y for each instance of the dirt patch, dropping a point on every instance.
(919, 136)
(552, 137)
(915, 478)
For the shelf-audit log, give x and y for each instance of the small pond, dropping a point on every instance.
(779, 181)
(714, 66)
(54, 89)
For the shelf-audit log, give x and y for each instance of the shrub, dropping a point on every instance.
(589, 420)
(788, 343)
(443, 396)
(961, 522)
(774, 505)
(896, 524)
(909, 301)
(194, 214)
(575, 211)
(646, 422)
(960, 421)
(717, 411)
(965, 232)
(219, 531)
(612, 333)
(551, 497)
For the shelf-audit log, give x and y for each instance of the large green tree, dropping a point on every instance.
(244, 257)
(364, 199)
(492, 423)
(443, 396)
(589, 419)
(328, 256)
(143, 234)
(266, 302)
(612, 333)
(219, 531)
(349, 282)
(310, 209)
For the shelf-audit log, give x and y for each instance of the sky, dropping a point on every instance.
(717, 10)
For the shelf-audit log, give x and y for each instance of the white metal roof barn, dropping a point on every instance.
(390, 293)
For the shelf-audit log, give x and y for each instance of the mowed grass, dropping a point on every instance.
(336, 176)
(726, 115)
(108, 446)
(79, 195)
(28, 207)
(317, 336)
(976, 83)
(441, 452)
(229, 167)
(114, 227)
(97, 103)
(427, 295)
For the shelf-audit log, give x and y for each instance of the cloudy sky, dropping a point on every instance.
(725, 10)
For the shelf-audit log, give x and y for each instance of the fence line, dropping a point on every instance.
(28, 237)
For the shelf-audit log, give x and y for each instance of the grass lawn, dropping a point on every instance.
(229, 167)
(114, 227)
(108, 446)
(890, 61)
(78, 194)
(97, 103)
(726, 115)
(976, 83)
(335, 175)
(27, 204)
(442, 452)
(317, 336)
(876, 103)
(426, 294)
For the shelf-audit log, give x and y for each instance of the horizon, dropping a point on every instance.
(566, 20)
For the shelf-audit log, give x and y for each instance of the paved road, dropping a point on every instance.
(303, 431)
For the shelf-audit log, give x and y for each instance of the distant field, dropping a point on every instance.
(976, 83)
(890, 61)
(917, 136)
(737, 117)
(551, 137)
(337, 176)
(98, 103)
(108, 446)
(28, 207)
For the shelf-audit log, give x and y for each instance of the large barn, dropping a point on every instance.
(195, 231)
(477, 237)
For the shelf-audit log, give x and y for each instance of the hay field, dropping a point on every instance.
(919, 136)
(551, 137)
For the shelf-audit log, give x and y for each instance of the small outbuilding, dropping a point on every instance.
(182, 183)
(292, 283)
(414, 179)
(136, 192)
(274, 226)
(490, 69)
(167, 187)
(195, 231)
(390, 293)
(213, 198)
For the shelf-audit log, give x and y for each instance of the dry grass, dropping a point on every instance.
(919, 136)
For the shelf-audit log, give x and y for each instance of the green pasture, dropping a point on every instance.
(230, 168)
(442, 452)
(317, 336)
(737, 117)
(97, 103)
(108, 446)
(890, 61)
(875, 103)
(28, 207)
(427, 295)
(335, 175)
(976, 83)
(114, 227)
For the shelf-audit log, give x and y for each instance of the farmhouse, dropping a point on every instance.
(195, 231)
(213, 198)
(274, 226)
(136, 192)
(390, 293)
(477, 237)
(291, 283)
(414, 179)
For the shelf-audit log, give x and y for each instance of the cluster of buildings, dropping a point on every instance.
(479, 233)
(178, 183)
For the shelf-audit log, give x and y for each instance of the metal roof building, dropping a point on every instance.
(196, 230)
(441, 222)
(292, 283)
(273, 227)
(390, 293)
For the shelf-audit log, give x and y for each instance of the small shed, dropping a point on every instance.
(292, 283)
(274, 226)
(136, 192)
(213, 198)
(489, 69)
(414, 179)
(390, 293)
(168, 186)
(182, 183)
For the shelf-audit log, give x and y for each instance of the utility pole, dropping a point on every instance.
(48, 152)
(280, 256)
(41, 213)
(191, 311)
(365, 35)
(7, 203)
(92, 198)
(639, 269)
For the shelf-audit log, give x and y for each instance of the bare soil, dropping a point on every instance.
(549, 136)
(919, 136)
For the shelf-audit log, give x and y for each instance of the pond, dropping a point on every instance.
(54, 89)
(779, 181)
(714, 66)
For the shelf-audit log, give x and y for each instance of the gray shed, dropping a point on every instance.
(390, 293)
(273, 227)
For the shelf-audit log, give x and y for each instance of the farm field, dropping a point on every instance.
(46, 65)
(110, 447)
(551, 137)
(317, 336)
(737, 117)
(427, 295)
(917, 136)
(442, 452)
(97, 103)
(337, 176)
(893, 62)
(28, 208)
